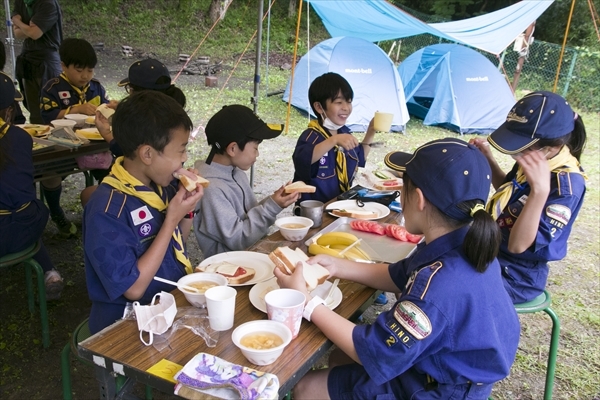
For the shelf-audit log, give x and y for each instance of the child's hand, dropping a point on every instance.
(284, 199)
(85, 108)
(347, 142)
(483, 146)
(113, 104)
(293, 281)
(183, 202)
(328, 262)
(536, 170)
(103, 127)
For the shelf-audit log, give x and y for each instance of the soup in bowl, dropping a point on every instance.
(294, 228)
(201, 281)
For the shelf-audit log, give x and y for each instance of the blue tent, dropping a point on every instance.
(370, 72)
(455, 87)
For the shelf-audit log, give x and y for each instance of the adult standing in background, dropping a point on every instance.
(39, 24)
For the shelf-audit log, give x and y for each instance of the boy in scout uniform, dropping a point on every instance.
(134, 226)
(453, 332)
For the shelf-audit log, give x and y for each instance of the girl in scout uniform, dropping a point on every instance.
(23, 216)
(453, 332)
(326, 154)
(537, 202)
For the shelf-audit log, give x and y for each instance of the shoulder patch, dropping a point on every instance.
(116, 203)
(559, 213)
(51, 83)
(413, 319)
(422, 278)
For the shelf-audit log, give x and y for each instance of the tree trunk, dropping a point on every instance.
(217, 9)
(292, 6)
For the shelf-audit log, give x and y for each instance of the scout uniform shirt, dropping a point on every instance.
(58, 94)
(526, 274)
(117, 231)
(322, 174)
(453, 330)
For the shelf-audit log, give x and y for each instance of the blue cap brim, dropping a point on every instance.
(397, 160)
(508, 142)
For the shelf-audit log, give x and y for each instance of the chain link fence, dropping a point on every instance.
(578, 80)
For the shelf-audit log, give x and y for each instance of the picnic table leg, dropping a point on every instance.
(106, 383)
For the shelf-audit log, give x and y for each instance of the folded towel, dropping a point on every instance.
(208, 374)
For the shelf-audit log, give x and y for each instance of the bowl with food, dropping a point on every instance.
(262, 341)
(294, 228)
(202, 281)
(78, 118)
(63, 123)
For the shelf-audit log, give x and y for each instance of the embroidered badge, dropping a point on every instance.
(145, 229)
(523, 199)
(559, 213)
(413, 319)
(66, 102)
(141, 215)
(399, 335)
(64, 94)
(322, 160)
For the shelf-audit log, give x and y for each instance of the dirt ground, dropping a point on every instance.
(31, 372)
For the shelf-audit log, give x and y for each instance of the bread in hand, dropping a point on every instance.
(299, 187)
(286, 260)
(235, 274)
(106, 111)
(189, 179)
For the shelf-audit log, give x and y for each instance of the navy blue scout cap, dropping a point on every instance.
(448, 171)
(8, 92)
(234, 123)
(145, 74)
(538, 115)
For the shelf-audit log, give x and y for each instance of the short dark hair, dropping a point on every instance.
(240, 143)
(147, 117)
(77, 52)
(172, 91)
(328, 86)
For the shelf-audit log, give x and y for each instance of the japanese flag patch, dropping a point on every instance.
(64, 94)
(559, 213)
(413, 319)
(141, 215)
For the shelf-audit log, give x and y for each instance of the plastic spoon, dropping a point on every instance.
(179, 286)
(329, 298)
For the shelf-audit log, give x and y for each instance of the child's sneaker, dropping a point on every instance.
(381, 299)
(54, 284)
(65, 227)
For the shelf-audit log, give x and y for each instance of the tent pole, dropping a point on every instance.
(10, 40)
(254, 99)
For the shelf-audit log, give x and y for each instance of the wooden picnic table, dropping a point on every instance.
(60, 160)
(118, 350)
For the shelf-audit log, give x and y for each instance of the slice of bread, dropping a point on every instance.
(286, 260)
(235, 274)
(389, 184)
(359, 214)
(189, 179)
(106, 111)
(299, 187)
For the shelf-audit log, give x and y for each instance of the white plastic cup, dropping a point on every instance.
(286, 306)
(220, 303)
(383, 121)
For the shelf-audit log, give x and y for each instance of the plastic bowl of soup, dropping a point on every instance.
(294, 228)
(201, 281)
(262, 341)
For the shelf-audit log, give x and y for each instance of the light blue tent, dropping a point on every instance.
(370, 72)
(455, 87)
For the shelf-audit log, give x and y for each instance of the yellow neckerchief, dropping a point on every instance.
(340, 159)
(123, 181)
(563, 161)
(3, 128)
(80, 92)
